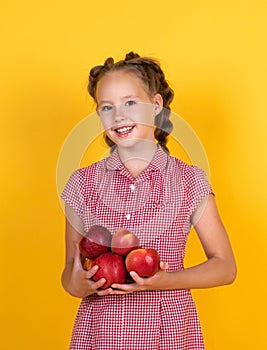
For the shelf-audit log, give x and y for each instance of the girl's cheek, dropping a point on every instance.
(145, 114)
(106, 124)
(110, 134)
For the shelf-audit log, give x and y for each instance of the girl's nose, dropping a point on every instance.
(119, 113)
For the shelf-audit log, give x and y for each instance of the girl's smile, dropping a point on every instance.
(124, 131)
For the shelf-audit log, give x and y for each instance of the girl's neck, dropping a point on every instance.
(137, 158)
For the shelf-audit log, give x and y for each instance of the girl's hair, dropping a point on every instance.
(150, 73)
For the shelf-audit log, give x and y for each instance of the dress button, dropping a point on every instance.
(128, 216)
(132, 187)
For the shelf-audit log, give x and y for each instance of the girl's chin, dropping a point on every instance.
(130, 140)
(135, 144)
(126, 143)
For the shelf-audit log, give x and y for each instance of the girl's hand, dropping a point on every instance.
(156, 282)
(80, 284)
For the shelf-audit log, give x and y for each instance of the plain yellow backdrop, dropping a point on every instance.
(214, 56)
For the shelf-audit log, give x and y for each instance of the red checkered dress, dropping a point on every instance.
(157, 207)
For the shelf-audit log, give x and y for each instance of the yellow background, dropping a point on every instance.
(214, 56)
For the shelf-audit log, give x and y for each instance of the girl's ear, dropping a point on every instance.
(158, 102)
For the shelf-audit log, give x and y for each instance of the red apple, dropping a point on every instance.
(145, 262)
(96, 242)
(123, 241)
(111, 267)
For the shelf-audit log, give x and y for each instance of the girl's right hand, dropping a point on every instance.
(75, 280)
(80, 284)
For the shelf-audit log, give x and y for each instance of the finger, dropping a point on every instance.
(90, 273)
(139, 280)
(121, 288)
(163, 265)
(103, 292)
(120, 292)
(99, 283)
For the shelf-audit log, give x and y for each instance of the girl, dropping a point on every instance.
(158, 197)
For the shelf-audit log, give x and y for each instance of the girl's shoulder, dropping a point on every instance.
(182, 165)
(188, 172)
(90, 174)
(91, 169)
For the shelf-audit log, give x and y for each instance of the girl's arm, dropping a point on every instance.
(75, 280)
(218, 269)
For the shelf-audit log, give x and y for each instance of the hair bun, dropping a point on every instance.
(109, 62)
(95, 71)
(130, 56)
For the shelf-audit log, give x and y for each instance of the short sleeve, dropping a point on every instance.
(73, 193)
(197, 187)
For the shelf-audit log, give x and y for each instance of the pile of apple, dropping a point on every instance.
(116, 255)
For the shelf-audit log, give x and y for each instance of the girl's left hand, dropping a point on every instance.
(156, 282)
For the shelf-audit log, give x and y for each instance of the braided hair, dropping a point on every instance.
(151, 74)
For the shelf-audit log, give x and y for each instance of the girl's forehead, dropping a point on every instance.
(121, 76)
(117, 82)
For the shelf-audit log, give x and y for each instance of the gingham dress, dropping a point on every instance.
(156, 206)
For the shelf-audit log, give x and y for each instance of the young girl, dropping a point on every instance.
(158, 197)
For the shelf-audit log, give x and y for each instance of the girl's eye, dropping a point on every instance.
(130, 103)
(106, 108)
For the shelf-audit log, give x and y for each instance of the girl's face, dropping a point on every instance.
(127, 111)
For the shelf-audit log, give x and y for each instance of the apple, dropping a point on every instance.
(96, 242)
(123, 241)
(111, 267)
(145, 262)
